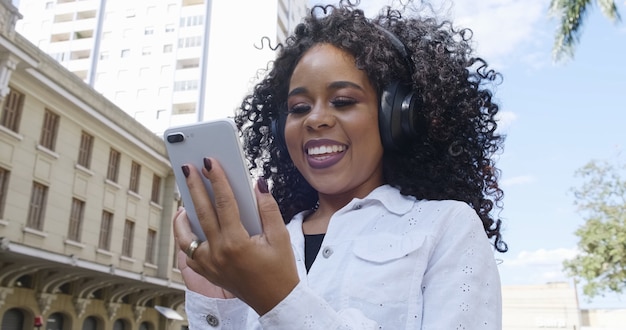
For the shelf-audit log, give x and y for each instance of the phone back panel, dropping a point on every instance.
(217, 139)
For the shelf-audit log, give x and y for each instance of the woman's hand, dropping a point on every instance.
(194, 281)
(260, 270)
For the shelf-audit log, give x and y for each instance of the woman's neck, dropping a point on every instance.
(317, 221)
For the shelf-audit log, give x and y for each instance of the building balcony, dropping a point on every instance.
(78, 65)
(71, 26)
(71, 45)
(180, 97)
(76, 6)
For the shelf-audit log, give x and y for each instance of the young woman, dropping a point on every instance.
(376, 136)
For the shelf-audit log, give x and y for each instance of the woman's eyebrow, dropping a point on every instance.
(344, 84)
(334, 86)
(296, 91)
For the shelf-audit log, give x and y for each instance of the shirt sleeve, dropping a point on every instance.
(303, 309)
(461, 286)
(212, 313)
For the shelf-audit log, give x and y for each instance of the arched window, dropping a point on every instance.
(90, 323)
(54, 322)
(13, 319)
(145, 326)
(119, 325)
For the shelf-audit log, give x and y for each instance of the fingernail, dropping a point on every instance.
(262, 184)
(185, 169)
(207, 164)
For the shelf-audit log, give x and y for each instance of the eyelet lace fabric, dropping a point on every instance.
(391, 262)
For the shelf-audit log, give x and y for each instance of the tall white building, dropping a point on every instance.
(165, 62)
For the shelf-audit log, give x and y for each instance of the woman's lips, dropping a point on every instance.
(324, 153)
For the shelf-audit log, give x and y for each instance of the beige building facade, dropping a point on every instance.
(86, 201)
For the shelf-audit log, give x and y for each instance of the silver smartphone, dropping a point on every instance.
(189, 144)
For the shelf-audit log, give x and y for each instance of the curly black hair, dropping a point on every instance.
(452, 155)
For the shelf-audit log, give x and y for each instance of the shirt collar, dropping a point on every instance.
(391, 198)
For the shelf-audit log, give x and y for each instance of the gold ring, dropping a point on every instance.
(192, 248)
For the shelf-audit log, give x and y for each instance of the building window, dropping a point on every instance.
(156, 189)
(146, 51)
(143, 72)
(12, 110)
(187, 85)
(4, 185)
(135, 172)
(169, 28)
(84, 153)
(148, 30)
(114, 165)
(104, 56)
(106, 225)
(49, 130)
(127, 243)
(167, 48)
(37, 206)
(164, 91)
(191, 20)
(150, 246)
(190, 42)
(125, 53)
(76, 220)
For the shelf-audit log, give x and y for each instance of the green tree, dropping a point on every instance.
(571, 14)
(601, 200)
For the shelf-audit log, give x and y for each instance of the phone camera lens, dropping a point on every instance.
(175, 138)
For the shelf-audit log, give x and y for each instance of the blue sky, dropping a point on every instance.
(557, 117)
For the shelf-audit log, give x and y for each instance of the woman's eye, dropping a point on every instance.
(342, 102)
(299, 108)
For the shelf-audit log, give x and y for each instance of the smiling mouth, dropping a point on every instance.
(323, 155)
(325, 150)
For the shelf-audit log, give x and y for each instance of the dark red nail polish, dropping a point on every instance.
(185, 169)
(262, 184)
(207, 164)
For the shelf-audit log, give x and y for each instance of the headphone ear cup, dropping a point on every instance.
(277, 128)
(410, 108)
(395, 117)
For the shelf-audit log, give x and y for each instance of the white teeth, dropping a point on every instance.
(325, 149)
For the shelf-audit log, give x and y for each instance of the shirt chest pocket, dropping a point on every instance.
(387, 267)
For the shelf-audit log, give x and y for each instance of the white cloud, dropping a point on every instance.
(501, 27)
(536, 267)
(541, 257)
(505, 119)
(517, 180)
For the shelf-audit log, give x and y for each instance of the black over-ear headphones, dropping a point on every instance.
(396, 115)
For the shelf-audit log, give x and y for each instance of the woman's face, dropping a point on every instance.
(332, 128)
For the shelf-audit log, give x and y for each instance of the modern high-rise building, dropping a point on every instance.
(164, 62)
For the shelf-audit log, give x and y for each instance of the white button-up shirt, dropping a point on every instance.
(388, 261)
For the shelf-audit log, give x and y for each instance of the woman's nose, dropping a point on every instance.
(320, 116)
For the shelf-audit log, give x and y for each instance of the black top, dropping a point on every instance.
(312, 244)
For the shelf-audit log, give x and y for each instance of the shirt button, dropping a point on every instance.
(327, 252)
(212, 320)
(357, 207)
